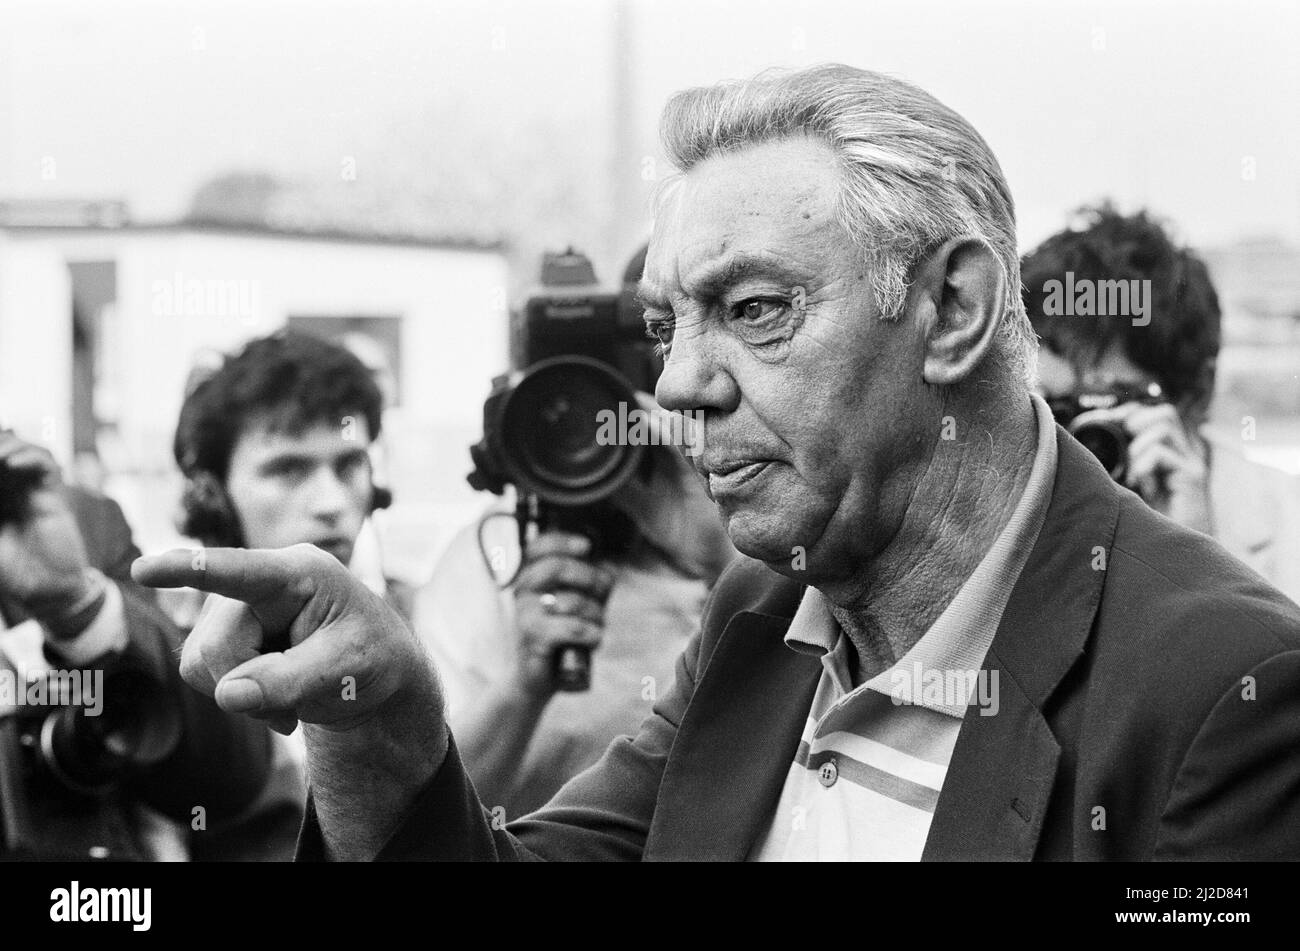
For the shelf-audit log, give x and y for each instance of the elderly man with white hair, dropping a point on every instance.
(953, 637)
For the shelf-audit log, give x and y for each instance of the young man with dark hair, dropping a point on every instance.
(274, 444)
(1173, 345)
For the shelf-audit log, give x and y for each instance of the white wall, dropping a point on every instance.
(36, 345)
(454, 329)
(1255, 490)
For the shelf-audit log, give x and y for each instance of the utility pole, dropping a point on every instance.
(624, 213)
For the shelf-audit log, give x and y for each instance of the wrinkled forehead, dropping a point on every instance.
(775, 200)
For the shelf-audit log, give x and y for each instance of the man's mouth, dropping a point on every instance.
(730, 477)
(338, 547)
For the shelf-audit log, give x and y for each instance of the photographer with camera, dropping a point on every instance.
(1134, 391)
(616, 547)
(88, 779)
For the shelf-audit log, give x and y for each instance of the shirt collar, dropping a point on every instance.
(960, 637)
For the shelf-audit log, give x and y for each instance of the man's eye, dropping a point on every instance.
(661, 330)
(350, 466)
(758, 309)
(294, 471)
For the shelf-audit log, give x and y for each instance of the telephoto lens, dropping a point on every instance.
(92, 753)
(547, 432)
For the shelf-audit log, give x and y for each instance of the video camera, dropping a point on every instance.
(582, 349)
(1088, 415)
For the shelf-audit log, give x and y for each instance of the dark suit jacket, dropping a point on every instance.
(220, 761)
(1150, 709)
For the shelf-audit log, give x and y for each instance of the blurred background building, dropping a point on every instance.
(102, 322)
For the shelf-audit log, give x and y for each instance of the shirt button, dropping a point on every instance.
(828, 773)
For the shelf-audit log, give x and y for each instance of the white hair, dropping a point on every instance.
(913, 172)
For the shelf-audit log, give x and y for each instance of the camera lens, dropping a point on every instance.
(550, 424)
(136, 727)
(15, 486)
(1105, 438)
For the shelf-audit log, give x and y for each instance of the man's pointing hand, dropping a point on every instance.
(289, 635)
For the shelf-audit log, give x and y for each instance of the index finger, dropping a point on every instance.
(275, 583)
(246, 574)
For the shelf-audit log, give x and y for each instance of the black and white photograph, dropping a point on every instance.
(746, 431)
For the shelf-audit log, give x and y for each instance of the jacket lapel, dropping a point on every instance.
(1000, 778)
(735, 745)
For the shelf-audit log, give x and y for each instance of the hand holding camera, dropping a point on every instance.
(352, 670)
(43, 564)
(583, 353)
(1166, 464)
(1138, 436)
(560, 600)
(586, 361)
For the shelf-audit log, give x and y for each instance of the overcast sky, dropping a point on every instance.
(1188, 108)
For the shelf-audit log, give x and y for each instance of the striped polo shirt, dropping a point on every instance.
(872, 759)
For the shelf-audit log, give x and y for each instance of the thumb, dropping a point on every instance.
(268, 687)
(249, 689)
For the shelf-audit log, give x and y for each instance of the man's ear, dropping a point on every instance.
(961, 289)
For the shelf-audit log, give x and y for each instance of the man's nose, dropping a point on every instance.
(328, 495)
(694, 379)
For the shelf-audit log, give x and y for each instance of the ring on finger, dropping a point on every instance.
(549, 602)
